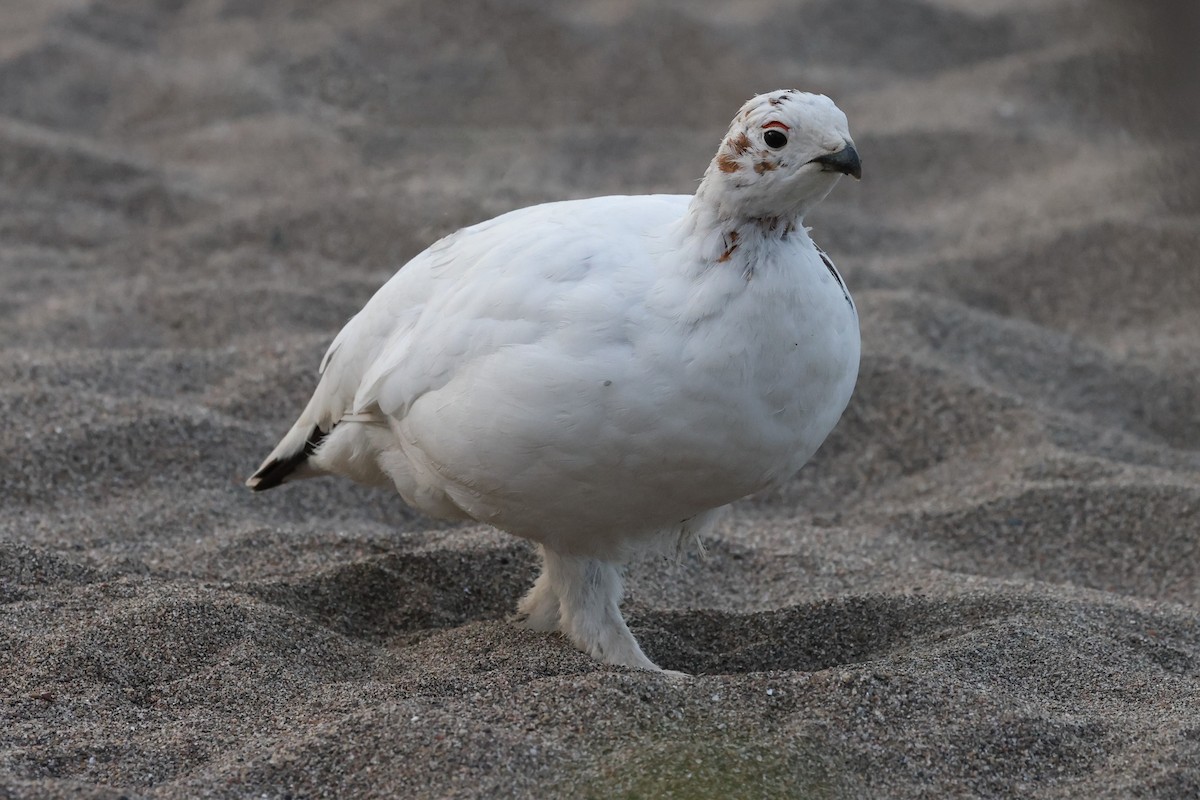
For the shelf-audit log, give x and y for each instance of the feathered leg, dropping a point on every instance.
(589, 597)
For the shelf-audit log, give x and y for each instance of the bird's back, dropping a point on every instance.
(501, 283)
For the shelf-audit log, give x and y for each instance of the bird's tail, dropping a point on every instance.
(288, 461)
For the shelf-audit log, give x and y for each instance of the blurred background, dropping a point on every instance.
(175, 141)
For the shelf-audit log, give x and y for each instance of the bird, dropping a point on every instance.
(602, 377)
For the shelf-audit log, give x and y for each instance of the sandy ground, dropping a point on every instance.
(987, 584)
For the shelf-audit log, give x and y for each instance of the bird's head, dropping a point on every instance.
(782, 155)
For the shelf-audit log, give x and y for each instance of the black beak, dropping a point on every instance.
(844, 161)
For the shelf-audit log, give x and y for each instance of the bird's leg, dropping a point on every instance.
(589, 596)
(538, 609)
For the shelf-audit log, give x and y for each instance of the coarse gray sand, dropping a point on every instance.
(986, 584)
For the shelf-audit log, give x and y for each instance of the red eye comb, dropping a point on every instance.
(776, 124)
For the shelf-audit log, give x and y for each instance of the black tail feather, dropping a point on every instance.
(275, 471)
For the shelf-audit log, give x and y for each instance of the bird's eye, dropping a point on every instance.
(775, 139)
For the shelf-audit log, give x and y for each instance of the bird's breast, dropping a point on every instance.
(764, 378)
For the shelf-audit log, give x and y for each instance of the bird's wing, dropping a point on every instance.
(499, 284)
(502, 283)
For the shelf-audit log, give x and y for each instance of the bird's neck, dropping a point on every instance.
(717, 231)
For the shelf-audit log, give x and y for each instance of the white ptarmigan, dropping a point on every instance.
(602, 376)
